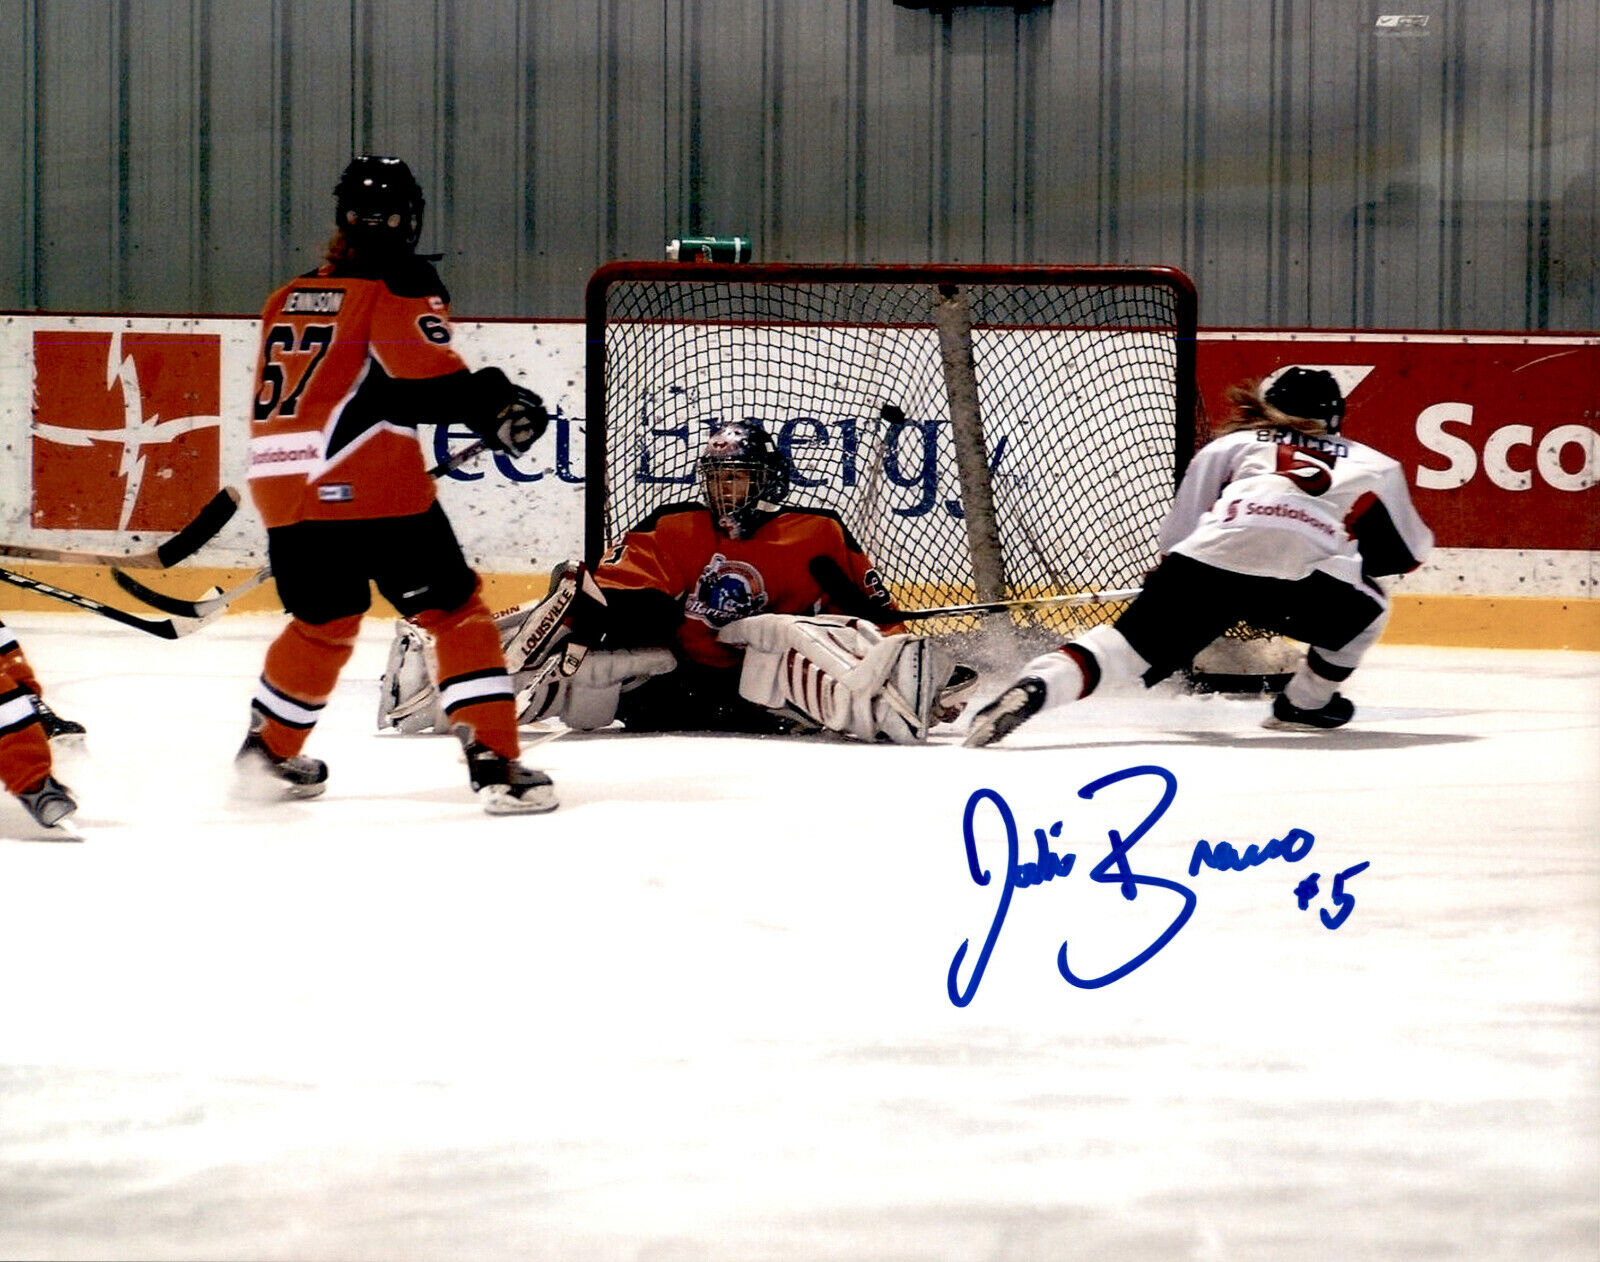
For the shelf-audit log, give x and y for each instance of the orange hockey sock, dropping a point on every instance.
(474, 689)
(302, 667)
(15, 662)
(24, 751)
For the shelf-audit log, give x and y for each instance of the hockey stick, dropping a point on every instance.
(1001, 606)
(184, 544)
(166, 628)
(206, 606)
(854, 603)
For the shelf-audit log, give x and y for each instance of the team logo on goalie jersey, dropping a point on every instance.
(725, 592)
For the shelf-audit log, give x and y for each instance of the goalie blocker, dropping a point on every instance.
(818, 672)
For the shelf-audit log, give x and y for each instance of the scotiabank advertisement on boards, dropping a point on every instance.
(122, 427)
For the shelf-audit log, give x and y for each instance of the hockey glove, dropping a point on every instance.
(519, 424)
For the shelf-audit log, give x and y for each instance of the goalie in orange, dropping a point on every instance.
(735, 614)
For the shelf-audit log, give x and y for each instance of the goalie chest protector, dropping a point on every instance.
(719, 580)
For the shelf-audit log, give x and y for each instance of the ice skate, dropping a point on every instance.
(1007, 712)
(60, 732)
(49, 802)
(506, 787)
(1285, 714)
(262, 775)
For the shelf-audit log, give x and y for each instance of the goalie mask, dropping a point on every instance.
(1310, 393)
(745, 478)
(378, 205)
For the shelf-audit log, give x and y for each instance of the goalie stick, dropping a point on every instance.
(166, 628)
(184, 544)
(206, 606)
(1001, 606)
(854, 603)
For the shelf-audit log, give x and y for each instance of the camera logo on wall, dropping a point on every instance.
(1401, 26)
(125, 428)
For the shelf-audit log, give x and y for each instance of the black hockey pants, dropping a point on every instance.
(1186, 604)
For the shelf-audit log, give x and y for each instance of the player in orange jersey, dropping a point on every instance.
(27, 726)
(354, 356)
(736, 614)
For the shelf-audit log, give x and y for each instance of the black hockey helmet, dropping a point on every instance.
(1311, 393)
(740, 506)
(378, 204)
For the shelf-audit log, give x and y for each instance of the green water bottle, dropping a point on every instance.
(709, 250)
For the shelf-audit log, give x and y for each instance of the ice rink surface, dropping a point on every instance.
(704, 1010)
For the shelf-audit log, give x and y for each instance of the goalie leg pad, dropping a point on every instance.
(917, 673)
(407, 698)
(530, 636)
(528, 631)
(814, 668)
(587, 701)
(841, 673)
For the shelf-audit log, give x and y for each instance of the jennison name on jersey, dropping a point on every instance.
(313, 302)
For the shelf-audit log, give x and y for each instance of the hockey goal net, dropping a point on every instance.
(985, 432)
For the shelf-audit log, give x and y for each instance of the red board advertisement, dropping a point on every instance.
(125, 428)
(1499, 435)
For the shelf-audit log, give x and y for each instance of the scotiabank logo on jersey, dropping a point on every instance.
(125, 428)
(1499, 437)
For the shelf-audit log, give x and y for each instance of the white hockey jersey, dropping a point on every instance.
(1279, 504)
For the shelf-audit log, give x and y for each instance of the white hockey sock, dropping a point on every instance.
(1074, 670)
(1309, 690)
(1118, 662)
(1064, 677)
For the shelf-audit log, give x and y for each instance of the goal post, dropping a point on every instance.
(986, 432)
(953, 316)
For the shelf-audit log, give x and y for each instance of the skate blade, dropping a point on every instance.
(258, 786)
(540, 800)
(62, 830)
(1274, 724)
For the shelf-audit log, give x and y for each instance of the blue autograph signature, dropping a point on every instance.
(1115, 869)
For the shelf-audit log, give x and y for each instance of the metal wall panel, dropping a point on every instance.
(1575, 157)
(240, 249)
(80, 237)
(1306, 164)
(17, 185)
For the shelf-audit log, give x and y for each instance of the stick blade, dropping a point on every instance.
(219, 510)
(174, 605)
(199, 611)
